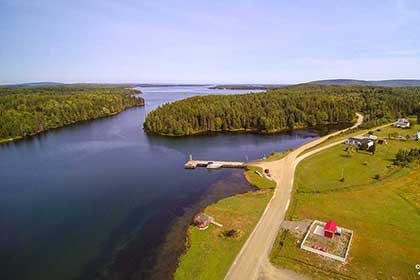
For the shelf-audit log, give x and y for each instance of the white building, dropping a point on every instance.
(360, 141)
(402, 123)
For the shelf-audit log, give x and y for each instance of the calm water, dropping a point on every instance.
(104, 199)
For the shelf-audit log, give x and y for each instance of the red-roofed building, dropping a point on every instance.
(330, 228)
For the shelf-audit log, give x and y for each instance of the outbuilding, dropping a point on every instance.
(202, 221)
(330, 228)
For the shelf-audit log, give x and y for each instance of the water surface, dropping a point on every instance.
(102, 198)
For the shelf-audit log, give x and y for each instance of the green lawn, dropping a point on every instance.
(325, 170)
(384, 213)
(258, 181)
(210, 254)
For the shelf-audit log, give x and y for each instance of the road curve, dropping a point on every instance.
(252, 262)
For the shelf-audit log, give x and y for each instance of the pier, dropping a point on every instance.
(192, 164)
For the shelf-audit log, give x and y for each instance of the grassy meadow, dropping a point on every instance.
(256, 180)
(210, 253)
(367, 193)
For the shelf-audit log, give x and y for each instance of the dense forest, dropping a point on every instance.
(31, 110)
(284, 108)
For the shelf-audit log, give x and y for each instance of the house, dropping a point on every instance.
(402, 123)
(330, 228)
(360, 141)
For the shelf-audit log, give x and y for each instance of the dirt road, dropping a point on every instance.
(252, 261)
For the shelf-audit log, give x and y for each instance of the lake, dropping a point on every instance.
(104, 199)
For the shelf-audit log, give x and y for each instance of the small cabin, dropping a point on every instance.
(202, 221)
(402, 123)
(330, 228)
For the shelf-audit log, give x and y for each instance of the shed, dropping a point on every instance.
(202, 221)
(383, 141)
(330, 229)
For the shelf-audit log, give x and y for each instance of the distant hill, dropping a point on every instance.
(249, 86)
(72, 85)
(384, 83)
(37, 84)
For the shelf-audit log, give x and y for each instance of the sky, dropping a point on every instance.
(208, 41)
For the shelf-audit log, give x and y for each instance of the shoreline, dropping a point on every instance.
(264, 190)
(248, 131)
(232, 185)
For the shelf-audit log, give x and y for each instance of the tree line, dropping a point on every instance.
(284, 108)
(30, 110)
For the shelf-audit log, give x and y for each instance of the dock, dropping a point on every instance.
(192, 164)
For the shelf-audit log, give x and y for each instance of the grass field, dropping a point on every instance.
(210, 253)
(383, 211)
(256, 180)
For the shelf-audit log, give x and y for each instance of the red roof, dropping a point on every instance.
(330, 226)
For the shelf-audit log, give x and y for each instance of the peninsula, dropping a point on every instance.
(29, 110)
(282, 109)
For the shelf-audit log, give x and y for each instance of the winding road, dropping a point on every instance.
(252, 262)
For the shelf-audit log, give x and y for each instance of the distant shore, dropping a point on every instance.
(22, 137)
(248, 86)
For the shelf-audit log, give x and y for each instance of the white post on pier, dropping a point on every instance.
(190, 156)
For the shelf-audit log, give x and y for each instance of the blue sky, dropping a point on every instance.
(208, 41)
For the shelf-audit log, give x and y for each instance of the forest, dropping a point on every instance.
(281, 109)
(30, 110)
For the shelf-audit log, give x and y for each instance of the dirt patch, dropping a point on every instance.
(298, 228)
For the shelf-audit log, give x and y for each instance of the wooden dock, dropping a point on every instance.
(192, 164)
